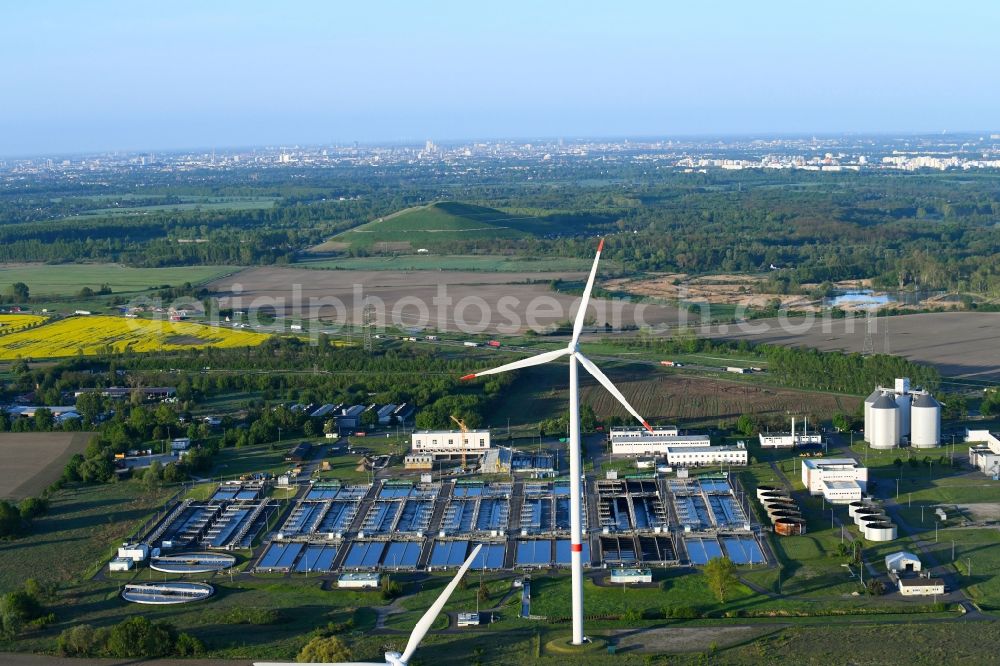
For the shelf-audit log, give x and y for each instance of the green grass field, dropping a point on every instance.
(431, 262)
(67, 279)
(443, 221)
(79, 531)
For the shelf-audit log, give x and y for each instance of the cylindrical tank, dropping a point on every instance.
(790, 526)
(774, 496)
(925, 421)
(903, 404)
(764, 490)
(885, 423)
(861, 513)
(884, 531)
(771, 507)
(869, 401)
(778, 515)
(853, 507)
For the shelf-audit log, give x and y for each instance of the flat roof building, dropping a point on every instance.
(701, 456)
(359, 580)
(840, 492)
(622, 576)
(450, 443)
(912, 587)
(791, 439)
(468, 619)
(829, 477)
(641, 442)
(418, 461)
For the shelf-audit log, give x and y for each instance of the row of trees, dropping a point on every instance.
(134, 638)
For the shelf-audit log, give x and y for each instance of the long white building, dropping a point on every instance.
(640, 442)
(839, 480)
(450, 443)
(706, 456)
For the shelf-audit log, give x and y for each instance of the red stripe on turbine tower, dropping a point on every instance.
(600, 246)
(647, 426)
(467, 377)
(576, 547)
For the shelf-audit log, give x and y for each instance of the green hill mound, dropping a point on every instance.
(414, 228)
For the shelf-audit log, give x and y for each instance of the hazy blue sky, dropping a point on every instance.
(123, 75)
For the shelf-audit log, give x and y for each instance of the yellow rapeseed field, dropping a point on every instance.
(100, 334)
(15, 322)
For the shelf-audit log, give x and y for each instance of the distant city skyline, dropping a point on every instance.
(121, 76)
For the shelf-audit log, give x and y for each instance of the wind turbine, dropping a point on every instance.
(419, 630)
(575, 357)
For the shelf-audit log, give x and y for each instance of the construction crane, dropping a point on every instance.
(465, 437)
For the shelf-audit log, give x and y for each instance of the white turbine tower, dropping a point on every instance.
(575, 470)
(419, 630)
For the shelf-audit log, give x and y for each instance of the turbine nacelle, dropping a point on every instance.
(573, 351)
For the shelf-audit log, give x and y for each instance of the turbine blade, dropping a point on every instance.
(523, 363)
(424, 625)
(581, 314)
(603, 379)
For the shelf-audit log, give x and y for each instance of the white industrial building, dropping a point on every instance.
(359, 580)
(911, 587)
(897, 415)
(641, 442)
(839, 480)
(623, 576)
(137, 552)
(468, 620)
(706, 456)
(902, 561)
(450, 443)
(121, 564)
(418, 461)
(789, 440)
(985, 451)
(840, 492)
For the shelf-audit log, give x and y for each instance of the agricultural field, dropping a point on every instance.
(34, 460)
(959, 344)
(431, 262)
(11, 323)
(89, 335)
(67, 279)
(397, 293)
(685, 400)
(412, 228)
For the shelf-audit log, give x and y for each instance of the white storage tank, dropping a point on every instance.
(926, 421)
(885, 423)
(869, 401)
(884, 531)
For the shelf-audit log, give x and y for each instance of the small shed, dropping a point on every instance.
(902, 561)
